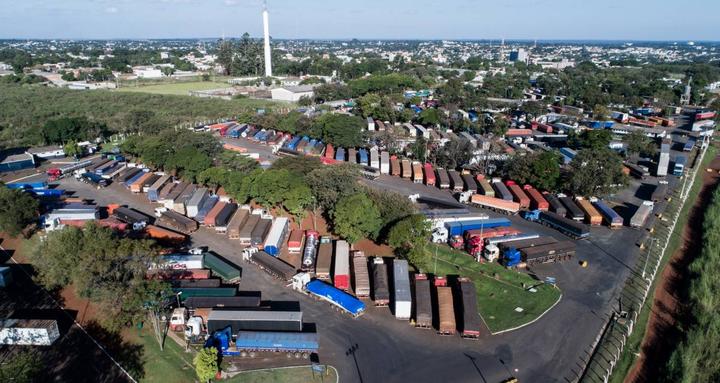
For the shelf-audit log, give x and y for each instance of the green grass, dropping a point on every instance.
(177, 88)
(499, 290)
(634, 342)
(172, 364)
(284, 375)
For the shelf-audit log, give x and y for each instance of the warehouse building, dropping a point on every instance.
(16, 162)
(292, 93)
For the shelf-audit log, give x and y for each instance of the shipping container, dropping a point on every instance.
(206, 207)
(456, 181)
(154, 190)
(324, 259)
(352, 156)
(276, 236)
(567, 226)
(555, 205)
(384, 163)
(297, 342)
(497, 204)
(195, 202)
(337, 297)
(406, 169)
(443, 179)
(312, 240)
(537, 201)
(260, 232)
(573, 211)
(341, 271)
(501, 190)
(222, 268)
(360, 275)
(446, 309)
(417, 172)
(429, 174)
(485, 187)
(374, 158)
(472, 325)
(423, 302)
(254, 320)
(131, 216)
(381, 292)
(274, 266)
(176, 221)
(641, 215)
(362, 157)
(663, 160)
(237, 222)
(395, 166)
(609, 215)
(592, 216)
(469, 182)
(241, 301)
(402, 297)
(519, 195)
(295, 242)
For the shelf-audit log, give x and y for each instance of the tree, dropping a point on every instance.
(64, 129)
(167, 71)
(356, 217)
(17, 210)
(638, 143)
(453, 154)
(392, 206)
(299, 166)
(430, 116)
(409, 237)
(595, 139)
(305, 101)
(206, 364)
(225, 56)
(595, 172)
(331, 183)
(534, 108)
(419, 149)
(600, 112)
(341, 130)
(541, 170)
(23, 367)
(72, 149)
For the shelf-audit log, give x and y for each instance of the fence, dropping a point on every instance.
(613, 337)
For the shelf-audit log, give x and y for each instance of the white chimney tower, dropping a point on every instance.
(266, 30)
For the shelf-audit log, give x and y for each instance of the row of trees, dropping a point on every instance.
(698, 356)
(18, 210)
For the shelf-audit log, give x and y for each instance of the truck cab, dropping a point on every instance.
(491, 252)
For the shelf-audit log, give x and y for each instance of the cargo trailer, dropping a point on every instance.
(273, 266)
(209, 219)
(352, 156)
(254, 320)
(496, 204)
(406, 169)
(472, 325)
(539, 241)
(136, 187)
(456, 181)
(641, 215)
(374, 159)
(324, 259)
(340, 154)
(381, 293)
(429, 174)
(195, 202)
(360, 274)
(179, 202)
(446, 308)
(291, 342)
(223, 217)
(384, 163)
(312, 240)
(179, 274)
(659, 192)
(237, 222)
(402, 297)
(637, 171)
(554, 252)
(501, 191)
(395, 166)
(537, 201)
(566, 226)
(276, 236)
(28, 332)
(609, 215)
(417, 172)
(573, 211)
(423, 302)
(485, 187)
(663, 160)
(222, 268)
(555, 205)
(181, 261)
(592, 216)
(363, 157)
(241, 301)
(443, 179)
(341, 271)
(335, 296)
(165, 192)
(206, 208)
(519, 195)
(296, 240)
(460, 227)
(245, 233)
(259, 233)
(178, 222)
(149, 182)
(469, 182)
(192, 283)
(154, 190)
(131, 216)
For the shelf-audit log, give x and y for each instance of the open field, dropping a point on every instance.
(176, 88)
(500, 291)
(284, 375)
(172, 364)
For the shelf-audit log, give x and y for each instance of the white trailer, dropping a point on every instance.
(384, 163)
(28, 332)
(196, 201)
(403, 298)
(276, 235)
(182, 261)
(374, 158)
(641, 215)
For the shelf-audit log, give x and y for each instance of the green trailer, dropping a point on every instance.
(222, 268)
(187, 292)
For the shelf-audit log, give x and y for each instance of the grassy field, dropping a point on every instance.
(172, 364)
(284, 375)
(499, 290)
(177, 88)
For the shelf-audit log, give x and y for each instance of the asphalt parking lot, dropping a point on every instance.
(387, 350)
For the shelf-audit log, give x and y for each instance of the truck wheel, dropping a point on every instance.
(288, 355)
(297, 355)
(252, 354)
(305, 355)
(243, 354)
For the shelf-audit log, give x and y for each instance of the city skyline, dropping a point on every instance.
(372, 20)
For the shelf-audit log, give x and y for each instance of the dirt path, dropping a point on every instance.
(662, 334)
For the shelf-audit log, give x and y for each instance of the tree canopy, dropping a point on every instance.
(409, 237)
(17, 210)
(540, 169)
(596, 172)
(355, 217)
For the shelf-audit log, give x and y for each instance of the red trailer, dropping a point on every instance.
(518, 195)
(538, 202)
(296, 240)
(171, 274)
(429, 174)
(329, 152)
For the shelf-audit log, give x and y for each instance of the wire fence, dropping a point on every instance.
(612, 339)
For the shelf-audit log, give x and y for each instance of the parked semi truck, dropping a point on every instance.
(611, 218)
(337, 297)
(519, 195)
(276, 236)
(443, 180)
(272, 265)
(537, 201)
(485, 186)
(566, 226)
(402, 297)
(240, 301)
(529, 256)
(641, 215)
(250, 343)
(456, 181)
(429, 174)
(501, 191)
(341, 271)
(360, 274)
(312, 240)
(381, 293)
(496, 204)
(177, 221)
(446, 307)
(254, 320)
(555, 205)
(324, 259)
(471, 319)
(592, 216)
(423, 302)
(573, 211)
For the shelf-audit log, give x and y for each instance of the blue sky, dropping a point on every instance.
(372, 19)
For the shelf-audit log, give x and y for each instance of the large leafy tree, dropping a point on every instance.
(638, 143)
(17, 210)
(23, 367)
(206, 364)
(341, 130)
(595, 172)
(409, 237)
(329, 184)
(392, 206)
(356, 217)
(541, 170)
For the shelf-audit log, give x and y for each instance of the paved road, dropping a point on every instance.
(392, 351)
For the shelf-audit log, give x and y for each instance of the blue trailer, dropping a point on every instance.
(363, 155)
(98, 180)
(132, 179)
(292, 144)
(27, 185)
(309, 147)
(249, 342)
(460, 227)
(205, 208)
(339, 298)
(613, 219)
(53, 193)
(689, 145)
(340, 154)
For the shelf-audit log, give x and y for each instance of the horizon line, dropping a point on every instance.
(364, 39)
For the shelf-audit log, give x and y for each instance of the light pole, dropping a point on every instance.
(177, 297)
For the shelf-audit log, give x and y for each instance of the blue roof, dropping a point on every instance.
(340, 298)
(277, 340)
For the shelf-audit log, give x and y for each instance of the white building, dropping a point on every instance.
(292, 93)
(147, 72)
(47, 152)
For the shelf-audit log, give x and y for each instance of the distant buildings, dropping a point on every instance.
(520, 55)
(147, 72)
(292, 93)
